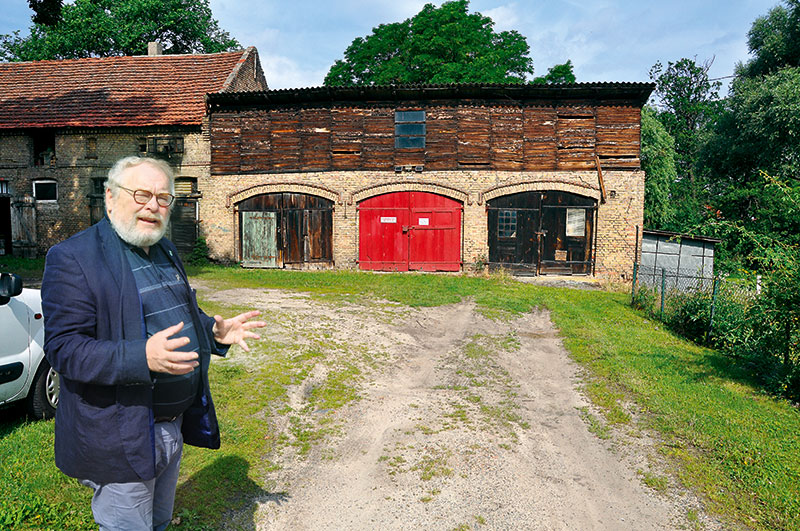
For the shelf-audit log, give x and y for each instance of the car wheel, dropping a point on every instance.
(43, 397)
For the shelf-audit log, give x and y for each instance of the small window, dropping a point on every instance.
(507, 224)
(91, 148)
(44, 147)
(409, 129)
(45, 190)
(98, 186)
(185, 186)
(164, 146)
(576, 222)
(4, 190)
(142, 143)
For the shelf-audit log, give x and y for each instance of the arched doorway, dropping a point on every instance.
(402, 231)
(285, 230)
(542, 232)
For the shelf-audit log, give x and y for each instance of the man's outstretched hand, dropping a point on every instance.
(236, 329)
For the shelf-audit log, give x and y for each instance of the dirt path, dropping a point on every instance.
(465, 423)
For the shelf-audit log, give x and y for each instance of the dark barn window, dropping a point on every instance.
(45, 190)
(409, 129)
(542, 232)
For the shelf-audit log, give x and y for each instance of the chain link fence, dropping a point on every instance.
(689, 303)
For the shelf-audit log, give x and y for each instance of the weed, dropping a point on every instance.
(654, 481)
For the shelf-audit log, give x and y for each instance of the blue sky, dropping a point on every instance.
(606, 40)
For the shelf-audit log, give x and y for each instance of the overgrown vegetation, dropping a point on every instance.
(760, 332)
(733, 444)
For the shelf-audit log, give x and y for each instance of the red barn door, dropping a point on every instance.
(404, 231)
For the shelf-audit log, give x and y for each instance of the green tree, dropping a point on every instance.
(95, 28)
(774, 41)
(442, 44)
(687, 104)
(658, 163)
(759, 132)
(558, 74)
(47, 12)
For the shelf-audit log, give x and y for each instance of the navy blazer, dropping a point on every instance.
(95, 339)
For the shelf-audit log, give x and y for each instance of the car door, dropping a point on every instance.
(15, 351)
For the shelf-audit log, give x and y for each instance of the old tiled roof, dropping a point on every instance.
(113, 91)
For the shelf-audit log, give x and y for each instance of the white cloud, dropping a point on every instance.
(505, 17)
(282, 72)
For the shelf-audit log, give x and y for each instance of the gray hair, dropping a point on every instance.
(114, 180)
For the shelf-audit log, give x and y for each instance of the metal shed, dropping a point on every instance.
(687, 261)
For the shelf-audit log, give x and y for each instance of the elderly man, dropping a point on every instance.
(124, 332)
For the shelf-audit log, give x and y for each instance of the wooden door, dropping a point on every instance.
(383, 232)
(259, 239)
(434, 233)
(5, 225)
(404, 231)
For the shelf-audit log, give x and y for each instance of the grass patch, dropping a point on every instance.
(595, 425)
(654, 481)
(29, 269)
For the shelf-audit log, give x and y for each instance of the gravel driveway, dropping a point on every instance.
(464, 422)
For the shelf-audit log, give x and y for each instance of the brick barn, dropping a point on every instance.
(64, 123)
(538, 178)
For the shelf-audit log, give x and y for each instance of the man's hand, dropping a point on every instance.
(162, 356)
(236, 329)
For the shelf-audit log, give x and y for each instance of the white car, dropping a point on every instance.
(24, 372)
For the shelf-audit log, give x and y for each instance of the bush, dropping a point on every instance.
(200, 253)
(644, 298)
(690, 314)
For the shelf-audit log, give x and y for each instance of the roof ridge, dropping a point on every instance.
(110, 58)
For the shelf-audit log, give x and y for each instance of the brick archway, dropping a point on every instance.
(408, 186)
(270, 188)
(540, 186)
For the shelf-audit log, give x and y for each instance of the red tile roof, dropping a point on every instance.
(113, 91)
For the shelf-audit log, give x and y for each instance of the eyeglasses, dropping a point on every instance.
(143, 197)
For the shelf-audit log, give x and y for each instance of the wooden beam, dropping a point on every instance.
(600, 179)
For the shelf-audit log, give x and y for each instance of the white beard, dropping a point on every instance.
(130, 234)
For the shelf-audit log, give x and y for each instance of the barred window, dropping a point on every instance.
(507, 224)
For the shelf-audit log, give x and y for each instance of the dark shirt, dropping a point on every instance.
(165, 302)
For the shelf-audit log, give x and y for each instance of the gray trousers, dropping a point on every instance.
(145, 505)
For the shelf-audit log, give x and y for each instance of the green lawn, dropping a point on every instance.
(735, 446)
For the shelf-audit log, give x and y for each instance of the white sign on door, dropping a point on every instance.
(388, 220)
(424, 221)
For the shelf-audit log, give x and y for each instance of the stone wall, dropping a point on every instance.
(78, 161)
(616, 229)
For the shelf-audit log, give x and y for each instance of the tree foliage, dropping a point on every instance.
(658, 163)
(47, 12)
(687, 103)
(443, 44)
(95, 28)
(774, 41)
(557, 74)
(760, 132)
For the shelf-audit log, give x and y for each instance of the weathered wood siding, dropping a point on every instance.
(490, 136)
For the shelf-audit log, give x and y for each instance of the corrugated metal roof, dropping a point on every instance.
(112, 91)
(679, 235)
(635, 92)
